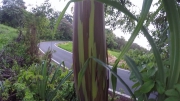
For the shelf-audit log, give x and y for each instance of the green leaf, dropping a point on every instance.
(134, 69)
(172, 99)
(145, 32)
(173, 17)
(132, 77)
(154, 14)
(177, 87)
(145, 76)
(52, 94)
(82, 72)
(137, 93)
(54, 75)
(150, 65)
(160, 88)
(43, 82)
(62, 65)
(151, 72)
(172, 93)
(137, 84)
(147, 86)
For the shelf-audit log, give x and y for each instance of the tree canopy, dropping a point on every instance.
(117, 43)
(12, 12)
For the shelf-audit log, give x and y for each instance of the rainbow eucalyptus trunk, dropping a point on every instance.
(89, 41)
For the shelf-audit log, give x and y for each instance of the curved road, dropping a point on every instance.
(61, 55)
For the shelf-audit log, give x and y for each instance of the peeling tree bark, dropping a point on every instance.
(88, 41)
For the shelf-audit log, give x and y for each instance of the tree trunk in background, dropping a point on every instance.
(88, 41)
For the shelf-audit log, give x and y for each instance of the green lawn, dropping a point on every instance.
(68, 46)
(6, 35)
(114, 53)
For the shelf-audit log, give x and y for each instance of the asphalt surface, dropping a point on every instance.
(61, 55)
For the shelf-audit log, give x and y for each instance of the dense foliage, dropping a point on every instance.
(37, 82)
(13, 13)
(6, 35)
(64, 31)
(24, 75)
(47, 18)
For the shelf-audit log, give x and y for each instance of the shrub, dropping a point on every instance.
(40, 82)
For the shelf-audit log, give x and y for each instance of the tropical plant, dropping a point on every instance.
(39, 82)
(167, 83)
(50, 84)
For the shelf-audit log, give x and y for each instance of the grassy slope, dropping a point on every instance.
(6, 35)
(68, 46)
(114, 53)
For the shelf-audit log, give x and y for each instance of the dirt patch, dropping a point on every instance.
(122, 63)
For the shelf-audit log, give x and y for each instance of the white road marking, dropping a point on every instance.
(118, 93)
(53, 59)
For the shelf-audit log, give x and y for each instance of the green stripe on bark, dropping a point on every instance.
(80, 49)
(92, 49)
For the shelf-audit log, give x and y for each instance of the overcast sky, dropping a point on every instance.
(60, 4)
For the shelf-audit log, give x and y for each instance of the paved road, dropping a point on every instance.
(61, 55)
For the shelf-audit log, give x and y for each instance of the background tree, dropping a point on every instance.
(69, 18)
(113, 17)
(117, 43)
(47, 17)
(110, 39)
(64, 31)
(12, 13)
(120, 42)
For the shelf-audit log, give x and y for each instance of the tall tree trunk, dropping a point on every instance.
(89, 41)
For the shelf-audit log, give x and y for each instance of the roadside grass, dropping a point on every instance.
(66, 46)
(6, 35)
(114, 54)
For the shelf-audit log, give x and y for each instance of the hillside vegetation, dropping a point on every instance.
(6, 35)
